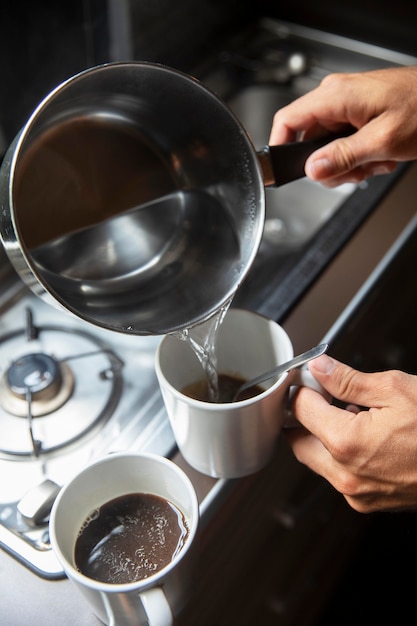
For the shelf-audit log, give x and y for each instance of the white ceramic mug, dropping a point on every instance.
(152, 601)
(229, 440)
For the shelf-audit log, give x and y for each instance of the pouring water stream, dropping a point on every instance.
(203, 340)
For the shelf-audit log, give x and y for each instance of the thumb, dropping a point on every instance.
(336, 158)
(345, 383)
(347, 154)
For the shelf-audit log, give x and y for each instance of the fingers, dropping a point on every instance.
(357, 175)
(313, 453)
(364, 488)
(321, 418)
(323, 109)
(342, 161)
(310, 451)
(390, 390)
(368, 455)
(351, 159)
(379, 104)
(347, 384)
(363, 154)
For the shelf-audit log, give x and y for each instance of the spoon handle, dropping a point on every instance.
(297, 361)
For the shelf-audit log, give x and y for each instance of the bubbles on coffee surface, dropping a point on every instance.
(130, 538)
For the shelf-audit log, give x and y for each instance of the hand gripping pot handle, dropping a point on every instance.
(285, 163)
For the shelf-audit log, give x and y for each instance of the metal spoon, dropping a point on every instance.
(296, 361)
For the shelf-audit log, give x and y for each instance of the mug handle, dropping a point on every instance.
(156, 607)
(148, 607)
(302, 377)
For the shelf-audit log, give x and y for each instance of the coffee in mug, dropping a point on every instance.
(130, 538)
(124, 530)
(228, 385)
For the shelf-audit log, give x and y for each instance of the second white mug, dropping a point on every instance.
(150, 601)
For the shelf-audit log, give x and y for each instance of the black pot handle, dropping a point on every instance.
(285, 163)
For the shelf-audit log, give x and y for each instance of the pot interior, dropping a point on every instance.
(108, 141)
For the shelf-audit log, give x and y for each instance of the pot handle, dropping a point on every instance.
(285, 163)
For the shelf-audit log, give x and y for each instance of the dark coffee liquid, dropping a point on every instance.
(130, 538)
(227, 387)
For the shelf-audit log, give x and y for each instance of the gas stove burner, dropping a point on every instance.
(68, 403)
(35, 373)
(38, 379)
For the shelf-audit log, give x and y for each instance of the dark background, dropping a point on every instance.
(44, 42)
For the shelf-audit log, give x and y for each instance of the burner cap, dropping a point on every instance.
(33, 372)
(49, 382)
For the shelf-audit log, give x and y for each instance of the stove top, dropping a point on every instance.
(69, 393)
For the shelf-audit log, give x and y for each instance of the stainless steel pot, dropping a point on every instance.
(119, 136)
